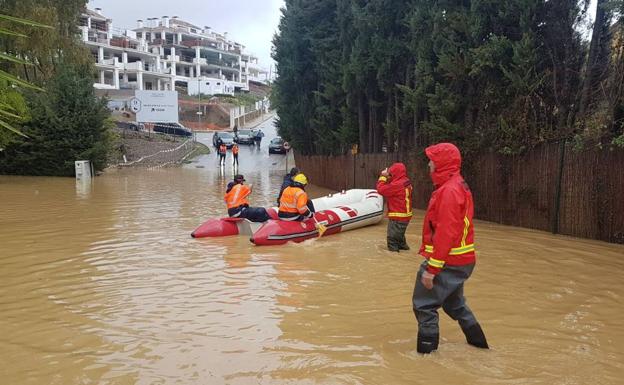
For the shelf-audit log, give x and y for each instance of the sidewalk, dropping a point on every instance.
(258, 121)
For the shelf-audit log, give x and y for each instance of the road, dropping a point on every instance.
(263, 171)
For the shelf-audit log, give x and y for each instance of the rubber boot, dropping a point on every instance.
(427, 343)
(475, 337)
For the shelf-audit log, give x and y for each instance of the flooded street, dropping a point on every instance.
(102, 284)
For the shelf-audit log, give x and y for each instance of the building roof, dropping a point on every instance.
(183, 23)
(93, 14)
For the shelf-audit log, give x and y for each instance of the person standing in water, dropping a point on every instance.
(235, 155)
(396, 188)
(222, 153)
(449, 250)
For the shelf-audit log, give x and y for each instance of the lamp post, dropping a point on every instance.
(199, 112)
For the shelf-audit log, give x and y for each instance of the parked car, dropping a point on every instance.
(226, 137)
(172, 129)
(245, 136)
(277, 146)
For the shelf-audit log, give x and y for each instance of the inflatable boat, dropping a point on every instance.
(338, 212)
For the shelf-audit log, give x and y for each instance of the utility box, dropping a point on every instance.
(83, 169)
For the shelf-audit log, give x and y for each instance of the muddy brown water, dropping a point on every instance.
(102, 284)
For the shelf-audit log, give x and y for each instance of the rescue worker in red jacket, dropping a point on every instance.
(448, 246)
(294, 201)
(395, 186)
(237, 204)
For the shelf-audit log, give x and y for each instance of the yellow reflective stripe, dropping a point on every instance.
(436, 263)
(408, 206)
(462, 250)
(454, 251)
(466, 225)
(400, 215)
(383, 178)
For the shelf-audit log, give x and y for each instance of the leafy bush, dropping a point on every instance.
(67, 123)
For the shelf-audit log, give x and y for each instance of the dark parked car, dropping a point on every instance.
(226, 137)
(245, 136)
(172, 129)
(277, 146)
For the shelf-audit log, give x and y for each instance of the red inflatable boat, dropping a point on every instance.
(337, 212)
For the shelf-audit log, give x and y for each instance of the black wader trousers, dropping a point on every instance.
(447, 293)
(396, 235)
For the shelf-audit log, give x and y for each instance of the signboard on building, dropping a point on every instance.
(155, 106)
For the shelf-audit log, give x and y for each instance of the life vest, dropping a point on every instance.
(235, 149)
(294, 201)
(237, 196)
(222, 149)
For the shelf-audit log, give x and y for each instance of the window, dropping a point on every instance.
(207, 83)
(218, 83)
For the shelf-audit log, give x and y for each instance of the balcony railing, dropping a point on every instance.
(208, 44)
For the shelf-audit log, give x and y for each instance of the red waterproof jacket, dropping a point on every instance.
(398, 193)
(448, 231)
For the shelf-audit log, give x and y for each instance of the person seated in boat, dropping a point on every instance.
(236, 200)
(294, 201)
(288, 182)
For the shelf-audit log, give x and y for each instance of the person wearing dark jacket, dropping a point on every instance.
(449, 250)
(396, 188)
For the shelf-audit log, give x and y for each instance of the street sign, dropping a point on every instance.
(354, 149)
(135, 105)
(155, 106)
(287, 146)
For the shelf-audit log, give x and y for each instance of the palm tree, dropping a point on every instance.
(7, 112)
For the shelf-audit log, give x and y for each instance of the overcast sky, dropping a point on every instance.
(249, 22)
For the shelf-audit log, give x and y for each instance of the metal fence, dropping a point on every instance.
(552, 187)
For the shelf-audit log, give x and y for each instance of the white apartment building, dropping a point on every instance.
(122, 60)
(165, 53)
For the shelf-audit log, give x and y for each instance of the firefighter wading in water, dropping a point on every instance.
(448, 246)
(395, 186)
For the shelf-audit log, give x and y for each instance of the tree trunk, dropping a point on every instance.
(596, 61)
(362, 122)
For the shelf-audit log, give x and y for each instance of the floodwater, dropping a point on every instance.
(102, 284)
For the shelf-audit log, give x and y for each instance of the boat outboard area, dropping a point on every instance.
(337, 212)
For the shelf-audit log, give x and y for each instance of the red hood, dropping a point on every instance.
(447, 161)
(397, 171)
